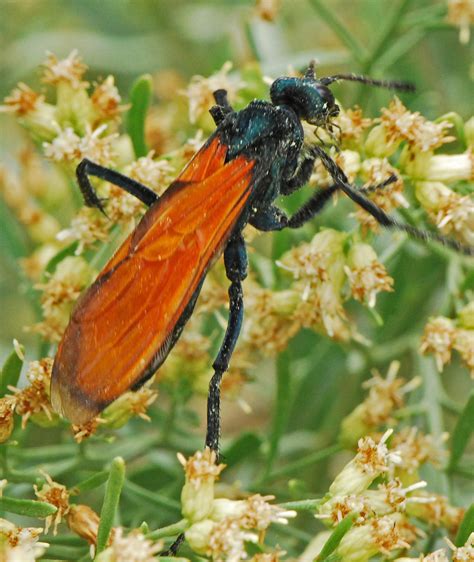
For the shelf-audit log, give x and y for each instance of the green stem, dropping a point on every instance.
(169, 531)
(111, 501)
(357, 50)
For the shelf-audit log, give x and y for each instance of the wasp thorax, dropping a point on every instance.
(309, 98)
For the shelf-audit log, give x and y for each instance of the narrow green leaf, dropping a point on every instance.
(111, 501)
(140, 97)
(302, 505)
(91, 483)
(336, 537)
(466, 527)
(462, 432)
(59, 552)
(133, 490)
(10, 372)
(29, 508)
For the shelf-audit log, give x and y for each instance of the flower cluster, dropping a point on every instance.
(382, 514)
(20, 543)
(220, 527)
(442, 335)
(386, 396)
(33, 402)
(320, 270)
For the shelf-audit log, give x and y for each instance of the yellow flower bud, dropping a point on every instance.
(74, 108)
(448, 168)
(433, 195)
(198, 535)
(197, 494)
(379, 144)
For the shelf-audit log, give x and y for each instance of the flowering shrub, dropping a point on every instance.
(324, 284)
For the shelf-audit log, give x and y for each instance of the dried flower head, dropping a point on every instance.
(59, 293)
(401, 124)
(200, 91)
(372, 460)
(68, 146)
(7, 409)
(106, 99)
(378, 535)
(367, 276)
(83, 521)
(437, 511)
(269, 326)
(87, 227)
(85, 430)
(34, 400)
(417, 448)
(155, 174)
(69, 70)
(374, 171)
(259, 513)
(353, 126)
(129, 404)
(57, 495)
(133, 547)
(438, 338)
(22, 100)
(386, 395)
(451, 212)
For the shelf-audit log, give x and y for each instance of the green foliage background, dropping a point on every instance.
(299, 400)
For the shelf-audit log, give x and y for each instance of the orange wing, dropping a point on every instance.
(124, 323)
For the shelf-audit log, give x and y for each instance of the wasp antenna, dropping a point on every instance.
(389, 84)
(381, 216)
(311, 70)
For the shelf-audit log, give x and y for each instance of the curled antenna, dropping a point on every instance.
(341, 181)
(389, 84)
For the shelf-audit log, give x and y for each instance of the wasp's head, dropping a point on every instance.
(311, 100)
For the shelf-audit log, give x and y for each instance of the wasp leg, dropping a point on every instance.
(235, 260)
(88, 168)
(379, 214)
(272, 218)
(300, 177)
(173, 549)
